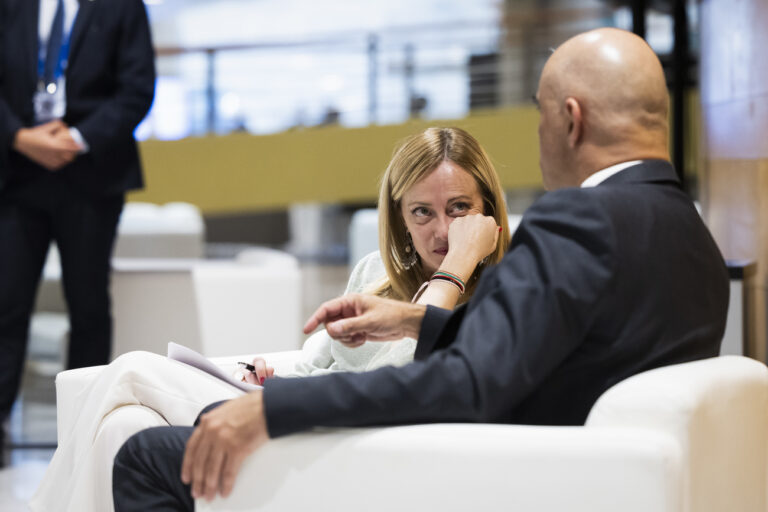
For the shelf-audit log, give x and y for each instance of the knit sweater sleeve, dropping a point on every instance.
(318, 352)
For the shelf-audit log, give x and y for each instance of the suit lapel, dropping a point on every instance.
(84, 13)
(28, 15)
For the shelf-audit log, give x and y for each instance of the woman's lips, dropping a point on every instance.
(441, 252)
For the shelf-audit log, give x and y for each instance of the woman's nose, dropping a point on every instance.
(443, 223)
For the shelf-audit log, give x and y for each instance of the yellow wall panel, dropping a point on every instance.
(242, 172)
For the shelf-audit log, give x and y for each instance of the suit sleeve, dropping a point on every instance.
(438, 329)
(117, 118)
(9, 125)
(9, 122)
(528, 314)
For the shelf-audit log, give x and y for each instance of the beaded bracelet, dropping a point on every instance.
(455, 280)
(440, 275)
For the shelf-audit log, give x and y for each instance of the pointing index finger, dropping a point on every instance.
(325, 313)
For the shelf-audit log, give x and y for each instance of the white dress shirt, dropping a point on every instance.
(603, 174)
(48, 11)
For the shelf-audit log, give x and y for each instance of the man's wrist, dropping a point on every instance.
(412, 317)
(261, 414)
(258, 396)
(18, 139)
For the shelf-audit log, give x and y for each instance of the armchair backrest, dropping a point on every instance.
(718, 410)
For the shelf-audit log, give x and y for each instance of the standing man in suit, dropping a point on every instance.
(76, 78)
(611, 273)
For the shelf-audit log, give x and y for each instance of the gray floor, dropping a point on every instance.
(33, 422)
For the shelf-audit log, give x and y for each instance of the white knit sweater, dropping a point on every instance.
(322, 354)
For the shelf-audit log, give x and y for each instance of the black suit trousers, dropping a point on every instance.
(32, 214)
(147, 470)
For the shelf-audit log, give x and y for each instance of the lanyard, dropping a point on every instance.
(61, 64)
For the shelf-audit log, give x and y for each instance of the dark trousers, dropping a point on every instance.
(32, 214)
(147, 472)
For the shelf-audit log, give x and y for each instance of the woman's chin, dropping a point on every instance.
(433, 263)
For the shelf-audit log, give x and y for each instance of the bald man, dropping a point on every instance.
(611, 273)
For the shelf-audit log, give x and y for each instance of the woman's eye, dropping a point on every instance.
(420, 212)
(459, 207)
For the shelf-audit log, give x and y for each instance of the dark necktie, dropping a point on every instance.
(54, 43)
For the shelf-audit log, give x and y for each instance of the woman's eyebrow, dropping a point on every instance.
(416, 202)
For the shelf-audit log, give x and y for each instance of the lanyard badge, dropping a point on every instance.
(50, 97)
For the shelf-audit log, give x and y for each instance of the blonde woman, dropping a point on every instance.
(438, 178)
(442, 220)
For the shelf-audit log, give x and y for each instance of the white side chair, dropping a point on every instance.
(363, 234)
(685, 438)
(172, 230)
(215, 307)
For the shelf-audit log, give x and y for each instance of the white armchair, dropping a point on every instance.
(685, 438)
(215, 307)
(689, 438)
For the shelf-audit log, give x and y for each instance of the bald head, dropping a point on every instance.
(606, 100)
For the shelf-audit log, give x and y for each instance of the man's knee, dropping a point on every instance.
(131, 453)
(147, 471)
(145, 449)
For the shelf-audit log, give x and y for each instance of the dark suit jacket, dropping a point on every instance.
(598, 284)
(110, 82)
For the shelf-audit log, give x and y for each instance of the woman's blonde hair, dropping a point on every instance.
(415, 158)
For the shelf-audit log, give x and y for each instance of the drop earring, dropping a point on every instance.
(411, 257)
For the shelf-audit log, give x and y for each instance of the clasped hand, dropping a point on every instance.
(50, 144)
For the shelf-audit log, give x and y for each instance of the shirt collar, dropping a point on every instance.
(597, 178)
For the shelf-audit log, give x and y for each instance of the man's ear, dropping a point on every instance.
(575, 121)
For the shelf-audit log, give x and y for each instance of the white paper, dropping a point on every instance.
(188, 356)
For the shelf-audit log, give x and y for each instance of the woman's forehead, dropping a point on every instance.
(447, 179)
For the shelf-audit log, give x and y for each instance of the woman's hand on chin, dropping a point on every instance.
(470, 239)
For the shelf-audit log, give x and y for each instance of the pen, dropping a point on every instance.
(247, 366)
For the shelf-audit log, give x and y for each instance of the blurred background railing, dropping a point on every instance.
(354, 80)
(293, 65)
(263, 105)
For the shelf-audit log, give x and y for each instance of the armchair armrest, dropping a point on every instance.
(717, 410)
(460, 467)
(69, 386)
